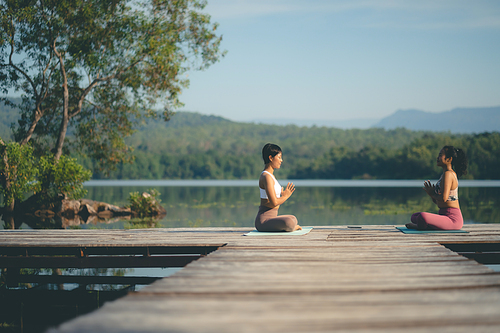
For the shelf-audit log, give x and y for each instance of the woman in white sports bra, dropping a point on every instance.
(272, 195)
(444, 193)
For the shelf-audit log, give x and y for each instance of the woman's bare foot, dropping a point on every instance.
(297, 227)
(411, 225)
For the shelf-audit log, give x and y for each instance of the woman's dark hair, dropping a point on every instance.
(459, 161)
(270, 149)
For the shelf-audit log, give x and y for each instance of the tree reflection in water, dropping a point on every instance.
(36, 306)
(58, 222)
(237, 206)
(32, 300)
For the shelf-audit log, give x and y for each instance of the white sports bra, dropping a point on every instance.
(277, 188)
(453, 196)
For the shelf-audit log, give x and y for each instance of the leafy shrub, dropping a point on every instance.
(64, 177)
(17, 171)
(145, 204)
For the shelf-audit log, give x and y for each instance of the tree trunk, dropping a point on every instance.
(9, 221)
(38, 116)
(65, 119)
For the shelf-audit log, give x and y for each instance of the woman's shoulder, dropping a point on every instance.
(450, 175)
(266, 174)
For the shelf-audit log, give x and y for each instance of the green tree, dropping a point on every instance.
(98, 67)
(65, 177)
(17, 174)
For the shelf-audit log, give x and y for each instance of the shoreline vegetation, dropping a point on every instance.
(195, 146)
(192, 146)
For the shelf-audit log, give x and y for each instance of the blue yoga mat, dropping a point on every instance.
(414, 231)
(305, 230)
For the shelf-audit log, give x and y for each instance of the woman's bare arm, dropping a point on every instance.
(268, 183)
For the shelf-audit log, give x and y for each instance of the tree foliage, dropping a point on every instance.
(88, 71)
(17, 174)
(96, 67)
(22, 173)
(65, 177)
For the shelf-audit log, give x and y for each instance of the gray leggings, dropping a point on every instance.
(268, 220)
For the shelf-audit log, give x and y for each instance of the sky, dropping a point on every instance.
(353, 60)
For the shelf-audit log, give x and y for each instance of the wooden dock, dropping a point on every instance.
(334, 279)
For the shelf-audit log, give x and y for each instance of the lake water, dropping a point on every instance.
(234, 203)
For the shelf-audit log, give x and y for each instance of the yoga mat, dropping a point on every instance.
(414, 231)
(305, 230)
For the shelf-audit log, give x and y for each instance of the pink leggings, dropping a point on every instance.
(448, 219)
(268, 220)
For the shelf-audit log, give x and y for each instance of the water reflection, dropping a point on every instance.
(35, 299)
(59, 222)
(230, 206)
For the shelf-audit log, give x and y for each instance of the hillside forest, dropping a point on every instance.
(195, 146)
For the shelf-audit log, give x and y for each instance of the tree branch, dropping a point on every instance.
(11, 63)
(94, 83)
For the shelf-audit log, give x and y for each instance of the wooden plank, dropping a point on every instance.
(286, 313)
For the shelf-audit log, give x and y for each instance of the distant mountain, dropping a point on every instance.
(460, 120)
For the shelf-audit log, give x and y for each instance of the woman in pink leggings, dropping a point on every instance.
(444, 193)
(272, 195)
